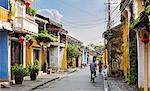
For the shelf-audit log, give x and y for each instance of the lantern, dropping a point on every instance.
(27, 3)
(145, 39)
(21, 39)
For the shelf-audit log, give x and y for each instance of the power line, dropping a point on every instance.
(95, 21)
(115, 9)
(81, 25)
(85, 24)
(79, 9)
(123, 8)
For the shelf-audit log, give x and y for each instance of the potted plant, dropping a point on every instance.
(45, 67)
(33, 70)
(19, 72)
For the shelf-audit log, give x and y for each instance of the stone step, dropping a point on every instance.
(5, 84)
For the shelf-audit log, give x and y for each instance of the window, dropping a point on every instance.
(36, 55)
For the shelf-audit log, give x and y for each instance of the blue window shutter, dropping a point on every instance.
(4, 4)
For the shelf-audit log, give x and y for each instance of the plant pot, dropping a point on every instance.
(33, 76)
(18, 79)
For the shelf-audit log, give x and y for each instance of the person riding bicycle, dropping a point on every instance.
(93, 67)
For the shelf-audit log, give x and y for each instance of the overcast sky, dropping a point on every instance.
(84, 19)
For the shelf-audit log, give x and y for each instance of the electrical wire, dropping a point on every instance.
(86, 22)
(122, 9)
(79, 9)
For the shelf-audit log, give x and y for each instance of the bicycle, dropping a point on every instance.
(93, 78)
(93, 75)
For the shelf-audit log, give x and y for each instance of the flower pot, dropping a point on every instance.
(18, 79)
(33, 76)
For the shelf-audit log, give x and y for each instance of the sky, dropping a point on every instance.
(83, 19)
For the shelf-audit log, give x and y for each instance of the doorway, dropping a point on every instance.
(16, 53)
(77, 62)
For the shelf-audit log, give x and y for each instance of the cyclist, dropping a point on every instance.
(93, 69)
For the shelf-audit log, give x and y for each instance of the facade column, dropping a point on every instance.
(83, 56)
(9, 57)
(24, 53)
(146, 67)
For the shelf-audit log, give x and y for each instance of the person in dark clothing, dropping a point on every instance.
(93, 68)
(100, 66)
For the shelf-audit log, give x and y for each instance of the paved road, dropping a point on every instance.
(78, 81)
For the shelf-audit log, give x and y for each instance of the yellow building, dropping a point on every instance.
(139, 24)
(105, 58)
(34, 52)
(125, 45)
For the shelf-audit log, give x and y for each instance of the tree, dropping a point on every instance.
(73, 51)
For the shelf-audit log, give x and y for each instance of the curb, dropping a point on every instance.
(45, 83)
(59, 77)
(73, 71)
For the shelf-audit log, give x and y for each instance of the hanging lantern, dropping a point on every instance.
(21, 39)
(145, 38)
(27, 3)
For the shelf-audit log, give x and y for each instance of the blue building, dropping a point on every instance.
(5, 29)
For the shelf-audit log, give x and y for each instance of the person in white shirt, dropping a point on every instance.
(105, 72)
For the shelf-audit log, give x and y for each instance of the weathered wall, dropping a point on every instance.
(125, 45)
(54, 57)
(64, 59)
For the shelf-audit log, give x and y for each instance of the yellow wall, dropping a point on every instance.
(29, 57)
(29, 53)
(74, 62)
(64, 60)
(140, 7)
(105, 57)
(125, 45)
(3, 14)
(80, 61)
(43, 56)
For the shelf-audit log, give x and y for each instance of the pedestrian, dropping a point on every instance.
(100, 66)
(93, 66)
(105, 72)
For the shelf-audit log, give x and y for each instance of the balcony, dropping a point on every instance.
(25, 25)
(4, 19)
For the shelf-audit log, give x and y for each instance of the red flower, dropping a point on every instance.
(145, 39)
(21, 39)
(27, 3)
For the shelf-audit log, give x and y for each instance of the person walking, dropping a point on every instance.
(105, 72)
(100, 66)
(93, 66)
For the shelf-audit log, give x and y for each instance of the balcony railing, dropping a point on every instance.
(25, 25)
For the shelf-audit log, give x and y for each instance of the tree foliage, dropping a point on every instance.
(73, 51)
(133, 58)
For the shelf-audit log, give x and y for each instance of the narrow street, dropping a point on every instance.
(78, 81)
